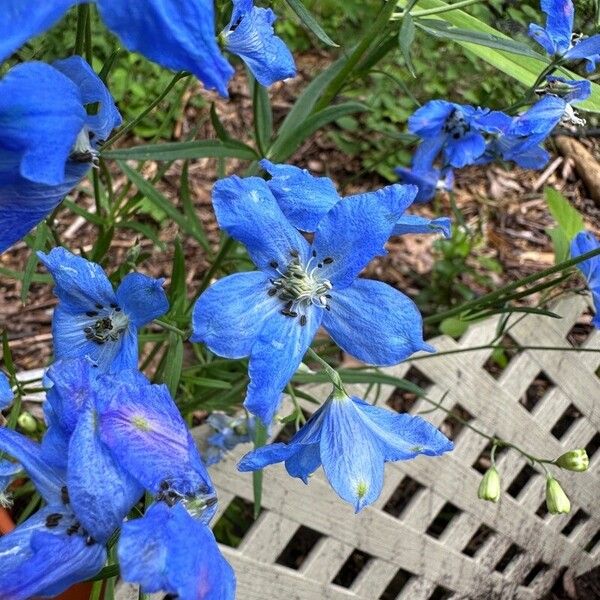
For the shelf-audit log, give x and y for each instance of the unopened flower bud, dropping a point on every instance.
(27, 422)
(556, 499)
(574, 460)
(489, 488)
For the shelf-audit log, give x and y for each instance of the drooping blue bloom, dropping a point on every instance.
(167, 550)
(250, 35)
(352, 440)
(456, 130)
(179, 36)
(93, 320)
(557, 37)
(6, 393)
(428, 179)
(583, 243)
(47, 140)
(272, 315)
(229, 432)
(418, 224)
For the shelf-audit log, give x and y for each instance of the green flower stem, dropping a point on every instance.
(169, 327)
(332, 374)
(83, 11)
(439, 10)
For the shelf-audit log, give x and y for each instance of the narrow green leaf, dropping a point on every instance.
(564, 213)
(144, 229)
(310, 22)
(560, 243)
(173, 362)
(190, 210)
(263, 117)
(42, 234)
(185, 150)
(260, 439)
(86, 214)
(405, 39)
(178, 286)
(218, 125)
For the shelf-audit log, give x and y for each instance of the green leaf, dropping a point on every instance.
(185, 150)
(406, 36)
(560, 243)
(173, 362)
(453, 326)
(190, 210)
(42, 234)
(564, 213)
(263, 117)
(261, 435)
(310, 22)
(178, 286)
(218, 126)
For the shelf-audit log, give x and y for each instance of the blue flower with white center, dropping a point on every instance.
(583, 243)
(305, 199)
(93, 320)
(428, 179)
(352, 440)
(272, 315)
(167, 550)
(6, 393)
(177, 35)
(47, 140)
(250, 35)
(229, 432)
(456, 130)
(557, 37)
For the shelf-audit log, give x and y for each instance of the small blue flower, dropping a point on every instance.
(6, 393)
(250, 35)
(179, 36)
(47, 141)
(351, 440)
(557, 37)
(94, 321)
(457, 130)
(428, 179)
(272, 315)
(583, 243)
(229, 432)
(167, 550)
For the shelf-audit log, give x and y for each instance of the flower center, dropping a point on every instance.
(456, 125)
(108, 327)
(301, 286)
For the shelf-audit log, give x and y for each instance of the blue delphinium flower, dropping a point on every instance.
(583, 243)
(6, 393)
(179, 36)
(229, 432)
(305, 199)
(352, 440)
(94, 321)
(250, 35)
(8, 470)
(456, 130)
(428, 179)
(47, 140)
(557, 37)
(272, 315)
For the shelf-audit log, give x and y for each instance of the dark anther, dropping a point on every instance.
(303, 320)
(456, 135)
(272, 291)
(292, 313)
(328, 296)
(87, 330)
(73, 528)
(53, 519)
(314, 253)
(89, 541)
(99, 306)
(171, 597)
(274, 264)
(118, 309)
(327, 307)
(212, 501)
(164, 485)
(328, 260)
(299, 275)
(288, 306)
(320, 265)
(64, 492)
(91, 313)
(113, 305)
(294, 253)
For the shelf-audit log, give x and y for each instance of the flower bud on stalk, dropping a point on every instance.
(27, 422)
(489, 488)
(573, 460)
(556, 499)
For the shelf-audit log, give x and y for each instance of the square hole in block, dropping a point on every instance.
(299, 547)
(351, 569)
(407, 489)
(581, 331)
(480, 537)
(452, 427)
(447, 514)
(440, 593)
(565, 422)
(593, 445)
(396, 585)
(591, 545)
(578, 519)
(509, 557)
(521, 480)
(540, 568)
(542, 511)
(235, 522)
(500, 358)
(403, 400)
(484, 461)
(537, 389)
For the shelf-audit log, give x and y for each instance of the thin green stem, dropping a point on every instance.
(169, 327)
(439, 10)
(333, 375)
(82, 17)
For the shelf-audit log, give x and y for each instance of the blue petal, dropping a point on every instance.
(179, 36)
(47, 479)
(101, 492)
(147, 435)
(559, 23)
(355, 230)
(251, 36)
(583, 243)
(20, 23)
(417, 224)
(427, 152)
(351, 455)
(303, 198)
(92, 90)
(305, 462)
(578, 89)
(142, 298)
(247, 210)
(539, 120)
(41, 114)
(426, 182)
(534, 157)
(403, 436)
(375, 323)
(275, 357)
(267, 455)
(586, 48)
(429, 120)
(6, 393)
(229, 315)
(464, 151)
